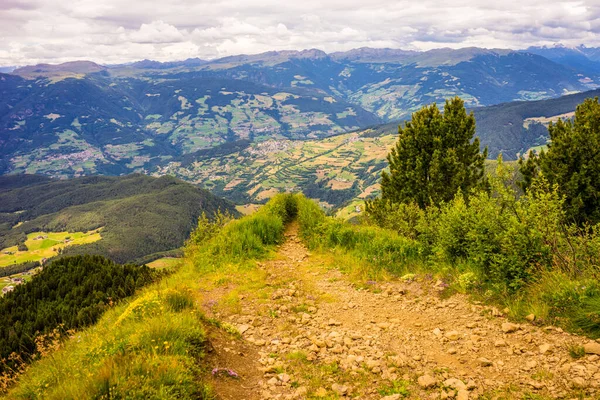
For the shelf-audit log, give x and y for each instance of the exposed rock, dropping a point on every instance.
(462, 394)
(579, 382)
(243, 328)
(499, 343)
(530, 317)
(426, 381)
(392, 397)
(592, 348)
(339, 389)
(484, 362)
(508, 327)
(545, 348)
(452, 335)
(455, 384)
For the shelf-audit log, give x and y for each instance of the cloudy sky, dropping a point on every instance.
(114, 31)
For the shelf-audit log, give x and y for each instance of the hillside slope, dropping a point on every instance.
(253, 314)
(139, 215)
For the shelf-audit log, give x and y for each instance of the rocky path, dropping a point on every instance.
(312, 333)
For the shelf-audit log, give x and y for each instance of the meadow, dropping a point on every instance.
(45, 245)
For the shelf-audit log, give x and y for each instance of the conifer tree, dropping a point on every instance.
(436, 156)
(572, 161)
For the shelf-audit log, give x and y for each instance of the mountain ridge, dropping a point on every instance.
(141, 117)
(382, 53)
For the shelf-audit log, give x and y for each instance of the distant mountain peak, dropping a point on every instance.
(71, 67)
(151, 64)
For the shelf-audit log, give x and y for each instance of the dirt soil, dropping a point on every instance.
(320, 335)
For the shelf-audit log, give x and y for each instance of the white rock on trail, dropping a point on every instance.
(484, 362)
(508, 327)
(545, 348)
(426, 381)
(592, 348)
(456, 384)
(243, 328)
(339, 389)
(530, 317)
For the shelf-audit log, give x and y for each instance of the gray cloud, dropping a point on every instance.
(114, 31)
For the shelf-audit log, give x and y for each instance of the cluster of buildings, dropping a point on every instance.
(10, 288)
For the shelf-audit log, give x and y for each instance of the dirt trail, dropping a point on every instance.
(316, 335)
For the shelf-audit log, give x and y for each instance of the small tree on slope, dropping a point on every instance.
(436, 156)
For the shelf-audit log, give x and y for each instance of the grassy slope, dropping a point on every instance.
(342, 170)
(153, 345)
(333, 170)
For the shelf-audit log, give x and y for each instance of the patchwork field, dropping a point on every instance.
(334, 170)
(42, 245)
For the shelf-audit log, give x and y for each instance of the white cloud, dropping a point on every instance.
(112, 31)
(155, 32)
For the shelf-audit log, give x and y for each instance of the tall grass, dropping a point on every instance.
(381, 249)
(246, 238)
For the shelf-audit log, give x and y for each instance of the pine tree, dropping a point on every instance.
(435, 157)
(572, 161)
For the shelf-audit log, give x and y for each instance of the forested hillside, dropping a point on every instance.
(71, 293)
(139, 215)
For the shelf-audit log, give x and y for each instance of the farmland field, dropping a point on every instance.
(165, 262)
(42, 245)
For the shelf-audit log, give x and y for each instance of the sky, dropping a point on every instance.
(118, 31)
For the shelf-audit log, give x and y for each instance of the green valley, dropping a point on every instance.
(118, 217)
(318, 200)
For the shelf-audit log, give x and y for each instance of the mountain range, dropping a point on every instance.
(82, 118)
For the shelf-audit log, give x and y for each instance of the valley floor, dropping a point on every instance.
(313, 332)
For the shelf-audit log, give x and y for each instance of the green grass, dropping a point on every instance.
(165, 263)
